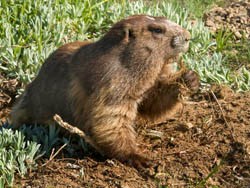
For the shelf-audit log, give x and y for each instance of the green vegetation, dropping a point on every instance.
(16, 155)
(51, 137)
(19, 149)
(30, 30)
(196, 8)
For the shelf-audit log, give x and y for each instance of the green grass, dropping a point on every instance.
(20, 149)
(16, 155)
(203, 182)
(52, 137)
(30, 30)
(196, 8)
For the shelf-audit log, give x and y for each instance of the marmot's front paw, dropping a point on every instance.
(192, 80)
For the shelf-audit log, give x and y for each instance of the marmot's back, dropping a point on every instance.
(47, 93)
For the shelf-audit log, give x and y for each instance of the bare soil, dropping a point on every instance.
(8, 91)
(207, 144)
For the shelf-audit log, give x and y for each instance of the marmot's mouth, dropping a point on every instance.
(180, 43)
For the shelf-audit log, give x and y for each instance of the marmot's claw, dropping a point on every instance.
(140, 162)
(192, 80)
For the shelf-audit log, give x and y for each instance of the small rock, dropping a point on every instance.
(188, 125)
(199, 130)
(110, 162)
(124, 185)
(72, 166)
(209, 23)
(217, 18)
(238, 35)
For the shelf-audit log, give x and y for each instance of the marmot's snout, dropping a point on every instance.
(180, 42)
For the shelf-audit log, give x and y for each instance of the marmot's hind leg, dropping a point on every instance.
(19, 114)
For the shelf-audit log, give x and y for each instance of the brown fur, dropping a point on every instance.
(162, 101)
(103, 87)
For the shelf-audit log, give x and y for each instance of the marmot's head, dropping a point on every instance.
(155, 35)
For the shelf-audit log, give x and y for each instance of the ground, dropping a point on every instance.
(207, 144)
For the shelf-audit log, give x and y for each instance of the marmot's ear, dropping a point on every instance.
(128, 32)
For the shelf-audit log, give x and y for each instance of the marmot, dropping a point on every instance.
(102, 87)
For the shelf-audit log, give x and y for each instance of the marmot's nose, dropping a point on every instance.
(187, 35)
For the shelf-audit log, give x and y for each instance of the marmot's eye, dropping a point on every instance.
(156, 30)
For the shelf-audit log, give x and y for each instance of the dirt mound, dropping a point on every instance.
(235, 17)
(208, 144)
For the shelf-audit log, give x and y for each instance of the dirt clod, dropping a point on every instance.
(235, 17)
(8, 91)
